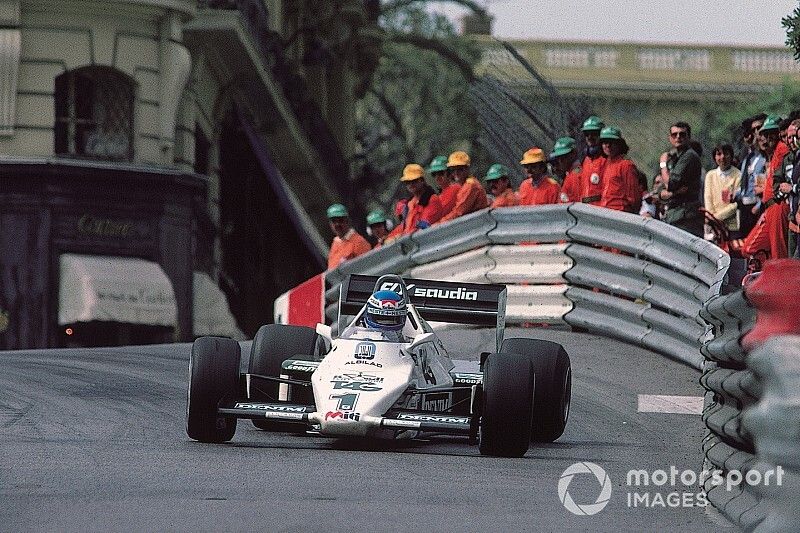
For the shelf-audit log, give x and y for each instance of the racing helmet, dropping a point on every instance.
(386, 311)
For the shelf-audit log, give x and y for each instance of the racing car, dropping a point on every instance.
(400, 384)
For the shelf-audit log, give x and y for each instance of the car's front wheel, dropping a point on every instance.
(507, 406)
(213, 375)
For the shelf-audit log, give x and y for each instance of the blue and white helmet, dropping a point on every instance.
(386, 310)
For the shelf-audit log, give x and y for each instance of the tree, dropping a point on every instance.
(417, 105)
(792, 25)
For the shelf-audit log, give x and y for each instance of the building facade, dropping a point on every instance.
(144, 142)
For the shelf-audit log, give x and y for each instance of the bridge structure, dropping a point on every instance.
(641, 88)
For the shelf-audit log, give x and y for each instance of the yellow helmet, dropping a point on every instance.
(458, 159)
(534, 155)
(412, 172)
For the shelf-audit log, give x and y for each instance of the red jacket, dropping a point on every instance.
(591, 179)
(351, 246)
(416, 213)
(621, 189)
(547, 191)
(571, 188)
(507, 198)
(471, 197)
(448, 197)
(781, 150)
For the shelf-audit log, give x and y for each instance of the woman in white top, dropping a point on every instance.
(721, 184)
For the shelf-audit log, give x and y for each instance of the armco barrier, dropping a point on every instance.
(604, 271)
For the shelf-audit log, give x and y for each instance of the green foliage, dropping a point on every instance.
(417, 106)
(792, 25)
(722, 123)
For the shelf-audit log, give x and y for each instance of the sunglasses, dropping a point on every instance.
(678, 134)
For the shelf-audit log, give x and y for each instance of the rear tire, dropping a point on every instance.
(553, 371)
(272, 345)
(507, 406)
(213, 375)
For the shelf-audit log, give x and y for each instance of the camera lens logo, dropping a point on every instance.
(590, 508)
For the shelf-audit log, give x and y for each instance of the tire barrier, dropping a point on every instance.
(753, 407)
(775, 425)
(606, 272)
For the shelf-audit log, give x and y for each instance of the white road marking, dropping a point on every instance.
(683, 405)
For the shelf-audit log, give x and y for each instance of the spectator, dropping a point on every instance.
(447, 189)
(538, 188)
(680, 193)
(753, 169)
(593, 162)
(378, 226)
(719, 188)
(620, 179)
(567, 169)
(471, 196)
(347, 244)
(500, 185)
(424, 207)
(792, 173)
(770, 234)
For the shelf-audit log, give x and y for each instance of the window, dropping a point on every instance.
(94, 114)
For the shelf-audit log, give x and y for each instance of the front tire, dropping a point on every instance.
(553, 371)
(272, 345)
(213, 375)
(507, 406)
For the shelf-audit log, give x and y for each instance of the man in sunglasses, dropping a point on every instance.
(680, 194)
(753, 169)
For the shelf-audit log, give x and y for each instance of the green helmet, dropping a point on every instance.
(496, 171)
(563, 146)
(337, 211)
(772, 123)
(376, 217)
(593, 123)
(438, 164)
(611, 133)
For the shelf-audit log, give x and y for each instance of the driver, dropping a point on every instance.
(386, 313)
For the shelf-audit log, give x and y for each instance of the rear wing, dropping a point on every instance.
(440, 301)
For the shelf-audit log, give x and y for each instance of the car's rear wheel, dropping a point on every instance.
(553, 371)
(213, 375)
(272, 345)
(507, 406)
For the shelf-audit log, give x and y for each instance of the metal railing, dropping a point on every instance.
(610, 273)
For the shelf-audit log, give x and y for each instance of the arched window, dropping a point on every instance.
(94, 114)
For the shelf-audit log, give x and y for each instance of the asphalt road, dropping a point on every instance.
(94, 440)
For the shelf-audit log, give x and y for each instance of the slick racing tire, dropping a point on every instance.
(553, 385)
(507, 406)
(213, 375)
(272, 345)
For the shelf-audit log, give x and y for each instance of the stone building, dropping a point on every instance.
(151, 147)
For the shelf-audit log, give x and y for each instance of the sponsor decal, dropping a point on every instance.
(440, 401)
(449, 294)
(355, 385)
(365, 350)
(267, 407)
(467, 379)
(594, 178)
(402, 423)
(427, 372)
(435, 418)
(301, 367)
(284, 416)
(369, 378)
(371, 363)
(345, 402)
(339, 415)
(446, 294)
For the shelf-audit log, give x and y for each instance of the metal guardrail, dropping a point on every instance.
(607, 272)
